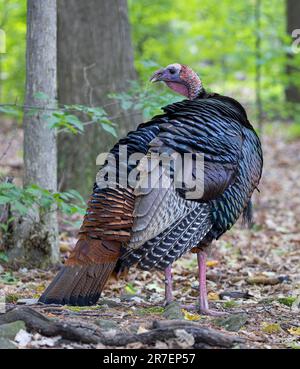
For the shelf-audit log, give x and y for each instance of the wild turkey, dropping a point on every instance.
(152, 226)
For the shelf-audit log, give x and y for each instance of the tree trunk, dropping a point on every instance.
(292, 91)
(258, 98)
(35, 238)
(95, 58)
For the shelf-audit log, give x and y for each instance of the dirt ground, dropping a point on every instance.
(263, 264)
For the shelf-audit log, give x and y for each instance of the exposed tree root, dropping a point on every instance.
(91, 334)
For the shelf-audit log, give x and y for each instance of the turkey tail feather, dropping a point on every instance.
(106, 225)
(78, 285)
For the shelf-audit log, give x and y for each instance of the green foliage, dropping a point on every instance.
(129, 288)
(95, 115)
(41, 96)
(12, 298)
(290, 131)
(8, 278)
(21, 200)
(293, 131)
(12, 63)
(293, 345)
(156, 310)
(78, 309)
(288, 301)
(271, 328)
(140, 97)
(230, 304)
(3, 257)
(64, 118)
(69, 202)
(9, 110)
(217, 38)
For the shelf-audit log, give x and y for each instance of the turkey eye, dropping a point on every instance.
(172, 71)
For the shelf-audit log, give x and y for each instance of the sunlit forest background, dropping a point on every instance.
(243, 49)
(218, 39)
(106, 53)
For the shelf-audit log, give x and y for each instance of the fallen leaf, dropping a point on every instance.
(189, 316)
(27, 301)
(142, 330)
(65, 247)
(235, 295)
(294, 331)
(271, 328)
(23, 338)
(212, 263)
(129, 288)
(46, 341)
(213, 296)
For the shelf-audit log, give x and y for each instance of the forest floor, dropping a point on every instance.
(261, 264)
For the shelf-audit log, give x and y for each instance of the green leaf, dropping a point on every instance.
(74, 121)
(6, 185)
(22, 209)
(3, 257)
(129, 288)
(41, 96)
(110, 129)
(288, 301)
(126, 104)
(4, 200)
(8, 278)
(9, 110)
(53, 120)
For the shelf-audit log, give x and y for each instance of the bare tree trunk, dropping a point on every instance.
(35, 239)
(258, 99)
(292, 92)
(95, 58)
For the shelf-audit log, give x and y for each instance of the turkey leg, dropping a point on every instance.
(168, 285)
(203, 302)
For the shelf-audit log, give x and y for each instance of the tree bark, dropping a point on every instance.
(258, 98)
(95, 58)
(35, 238)
(292, 91)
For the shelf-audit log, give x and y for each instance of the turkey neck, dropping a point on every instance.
(202, 94)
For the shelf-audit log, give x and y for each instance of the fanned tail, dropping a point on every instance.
(107, 224)
(78, 285)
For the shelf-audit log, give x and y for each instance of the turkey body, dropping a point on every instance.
(152, 226)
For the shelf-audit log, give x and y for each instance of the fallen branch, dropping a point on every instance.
(207, 336)
(37, 322)
(161, 331)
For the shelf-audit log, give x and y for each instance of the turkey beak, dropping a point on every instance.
(157, 76)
